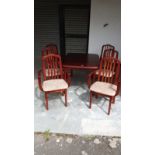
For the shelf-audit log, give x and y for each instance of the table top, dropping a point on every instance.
(80, 61)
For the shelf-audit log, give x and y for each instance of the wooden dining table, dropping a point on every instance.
(80, 61)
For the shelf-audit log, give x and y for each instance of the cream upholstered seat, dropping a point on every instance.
(54, 84)
(107, 79)
(105, 73)
(53, 76)
(104, 88)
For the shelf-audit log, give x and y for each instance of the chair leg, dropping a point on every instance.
(71, 73)
(69, 80)
(90, 100)
(65, 98)
(96, 96)
(62, 93)
(46, 101)
(109, 108)
(113, 100)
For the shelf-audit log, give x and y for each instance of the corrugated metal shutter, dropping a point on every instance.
(76, 45)
(76, 20)
(46, 22)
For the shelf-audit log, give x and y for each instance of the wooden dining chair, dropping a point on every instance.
(52, 78)
(105, 84)
(52, 48)
(49, 49)
(106, 47)
(112, 53)
(108, 53)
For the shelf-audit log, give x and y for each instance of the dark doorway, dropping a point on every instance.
(74, 28)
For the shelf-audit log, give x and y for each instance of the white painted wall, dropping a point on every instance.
(102, 12)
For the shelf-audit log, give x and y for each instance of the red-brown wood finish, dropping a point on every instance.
(105, 47)
(52, 69)
(52, 49)
(107, 65)
(81, 61)
(49, 49)
(111, 52)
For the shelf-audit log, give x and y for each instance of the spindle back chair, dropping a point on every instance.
(49, 49)
(106, 47)
(106, 84)
(54, 79)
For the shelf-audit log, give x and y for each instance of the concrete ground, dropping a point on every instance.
(76, 118)
(54, 144)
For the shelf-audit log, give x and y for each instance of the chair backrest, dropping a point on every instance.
(110, 53)
(49, 49)
(52, 66)
(105, 47)
(109, 70)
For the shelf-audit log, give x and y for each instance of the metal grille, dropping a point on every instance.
(76, 45)
(76, 20)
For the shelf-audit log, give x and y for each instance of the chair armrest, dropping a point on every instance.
(119, 87)
(119, 84)
(67, 77)
(91, 78)
(39, 80)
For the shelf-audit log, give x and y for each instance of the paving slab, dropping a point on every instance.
(76, 118)
(60, 144)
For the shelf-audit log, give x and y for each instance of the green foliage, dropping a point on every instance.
(88, 137)
(46, 135)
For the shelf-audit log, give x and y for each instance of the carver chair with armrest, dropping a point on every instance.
(52, 49)
(106, 84)
(107, 53)
(49, 49)
(54, 79)
(106, 47)
(110, 53)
